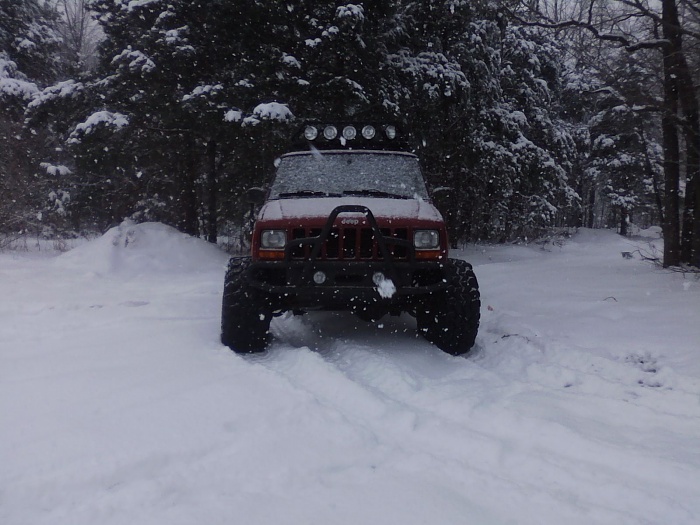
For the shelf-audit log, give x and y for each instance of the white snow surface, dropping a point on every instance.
(119, 405)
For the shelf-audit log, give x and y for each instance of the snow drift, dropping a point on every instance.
(148, 248)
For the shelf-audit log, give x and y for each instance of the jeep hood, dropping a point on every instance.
(320, 208)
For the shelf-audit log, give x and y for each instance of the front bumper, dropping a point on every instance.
(346, 282)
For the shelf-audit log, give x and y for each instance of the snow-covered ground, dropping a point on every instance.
(118, 404)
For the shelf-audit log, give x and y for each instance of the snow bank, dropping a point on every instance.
(148, 248)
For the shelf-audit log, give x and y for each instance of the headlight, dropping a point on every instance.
(273, 239)
(426, 239)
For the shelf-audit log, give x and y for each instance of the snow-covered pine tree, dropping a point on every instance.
(178, 84)
(28, 61)
(482, 98)
(174, 109)
(624, 162)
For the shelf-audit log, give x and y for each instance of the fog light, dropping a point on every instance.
(319, 277)
(378, 278)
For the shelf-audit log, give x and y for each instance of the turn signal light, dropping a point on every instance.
(271, 255)
(428, 254)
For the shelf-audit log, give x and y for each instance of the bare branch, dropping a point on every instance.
(609, 37)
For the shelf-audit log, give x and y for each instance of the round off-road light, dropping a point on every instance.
(310, 133)
(330, 132)
(390, 132)
(349, 132)
(319, 277)
(368, 132)
(378, 278)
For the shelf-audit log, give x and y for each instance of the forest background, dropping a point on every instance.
(528, 115)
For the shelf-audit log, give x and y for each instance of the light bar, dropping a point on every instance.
(331, 132)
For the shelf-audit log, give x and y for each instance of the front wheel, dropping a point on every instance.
(246, 312)
(450, 319)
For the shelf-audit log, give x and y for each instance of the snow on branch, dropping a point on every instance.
(98, 120)
(203, 92)
(14, 88)
(59, 91)
(135, 4)
(290, 61)
(273, 111)
(353, 11)
(11, 86)
(233, 115)
(268, 111)
(135, 60)
(55, 170)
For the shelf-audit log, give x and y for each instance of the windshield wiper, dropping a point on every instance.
(307, 193)
(375, 193)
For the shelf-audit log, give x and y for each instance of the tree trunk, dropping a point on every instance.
(590, 220)
(671, 226)
(687, 96)
(188, 191)
(212, 187)
(623, 221)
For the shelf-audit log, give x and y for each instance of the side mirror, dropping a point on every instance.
(256, 196)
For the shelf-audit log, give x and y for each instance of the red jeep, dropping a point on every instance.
(348, 224)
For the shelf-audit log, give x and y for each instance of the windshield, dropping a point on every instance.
(337, 174)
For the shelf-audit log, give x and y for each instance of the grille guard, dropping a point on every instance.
(382, 241)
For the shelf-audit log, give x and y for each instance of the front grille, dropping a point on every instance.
(350, 243)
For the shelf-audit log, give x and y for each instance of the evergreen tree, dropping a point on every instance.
(179, 118)
(28, 60)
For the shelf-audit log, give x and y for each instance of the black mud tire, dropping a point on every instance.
(246, 311)
(450, 319)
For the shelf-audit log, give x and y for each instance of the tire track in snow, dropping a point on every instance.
(518, 405)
